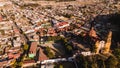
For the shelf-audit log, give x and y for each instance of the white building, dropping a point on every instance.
(86, 53)
(102, 44)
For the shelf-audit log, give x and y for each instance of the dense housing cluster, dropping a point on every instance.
(55, 34)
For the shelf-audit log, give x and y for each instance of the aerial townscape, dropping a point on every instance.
(59, 33)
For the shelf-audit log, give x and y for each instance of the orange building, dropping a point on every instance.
(1, 18)
(92, 33)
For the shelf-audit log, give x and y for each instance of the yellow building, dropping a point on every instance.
(102, 46)
(97, 47)
(108, 43)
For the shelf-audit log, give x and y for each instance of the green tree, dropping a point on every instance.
(94, 65)
(81, 62)
(111, 62)
(49, 53)
(69, 48)
(55, 66)
(101, 63)
(117, 53)
(25, 47)
(60, 66)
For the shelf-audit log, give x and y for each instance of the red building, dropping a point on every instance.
(33, 49)
(42, 56)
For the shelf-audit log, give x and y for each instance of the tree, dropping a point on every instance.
(94, 65)
(49, 53)
(69, 48)
(101, 63)
(81, 62)
(93, 62)
(25, 47)
(55, 66)
(60, 66)
(111, 62)
(117, 53)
